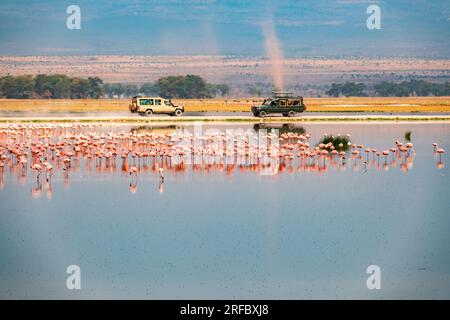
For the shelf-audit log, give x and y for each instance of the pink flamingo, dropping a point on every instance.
(367, 154)
(37, 167)
(133, 172)
(67, 163)
(440, 151)
(23, 162)
(48, 169)
(385, 154)
(360, 146)
(161, 174)
(435, 146)
(378, 153)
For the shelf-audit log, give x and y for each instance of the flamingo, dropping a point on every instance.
(161, 173)
(48, 168)
(435, 146)
(133, 171)
(23, 162)
(385, 154)
(67, 163)
(37, 167)
(440, 151)
(367, 150)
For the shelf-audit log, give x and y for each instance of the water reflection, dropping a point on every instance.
(71, 148)
(281, 127)
(264, 213)
(270, 149)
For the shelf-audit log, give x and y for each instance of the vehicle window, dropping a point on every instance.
(144, 102)
(157, 102)
(167, 103)
(296, 102)
(283, 103)
(290, 102)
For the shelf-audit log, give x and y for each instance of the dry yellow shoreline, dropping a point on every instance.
(352, 104)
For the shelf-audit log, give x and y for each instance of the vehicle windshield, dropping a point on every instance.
(267, 102)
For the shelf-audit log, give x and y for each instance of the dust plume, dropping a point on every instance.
(274, 52)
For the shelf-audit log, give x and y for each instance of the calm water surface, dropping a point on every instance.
(216, 233)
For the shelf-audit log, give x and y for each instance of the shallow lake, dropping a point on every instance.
(211, 231)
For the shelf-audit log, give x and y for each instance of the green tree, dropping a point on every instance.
(223, 89)
(347, 89)
(189, 86)
(384, 89)
(79, 88)
(113, 89)
(95, 89)
(149, 89)
(20, 87)
(254, 91)
(130, 90)
(335, 90)
(217, 89)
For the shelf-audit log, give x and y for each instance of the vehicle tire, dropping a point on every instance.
(148, 112)
(178, 112)
(262, 114)
(291, 113)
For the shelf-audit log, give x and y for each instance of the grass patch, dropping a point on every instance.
(408, 136)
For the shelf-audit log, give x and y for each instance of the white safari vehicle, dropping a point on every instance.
(146, 106)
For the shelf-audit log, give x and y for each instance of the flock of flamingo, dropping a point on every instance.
(64, 148)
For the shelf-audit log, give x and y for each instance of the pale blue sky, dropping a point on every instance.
(305, 28)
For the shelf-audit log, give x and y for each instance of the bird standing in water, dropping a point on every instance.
(161, 174)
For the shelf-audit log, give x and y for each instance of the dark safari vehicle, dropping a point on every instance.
(284, 103)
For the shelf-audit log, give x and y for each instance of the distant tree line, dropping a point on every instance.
(50, 87)
(189, 86)
(412, 88)
(390, 89)
(347, 89)
(61, 86)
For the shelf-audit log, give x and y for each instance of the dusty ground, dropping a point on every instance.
(410, 104)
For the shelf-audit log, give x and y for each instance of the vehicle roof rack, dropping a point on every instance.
(284, 95)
